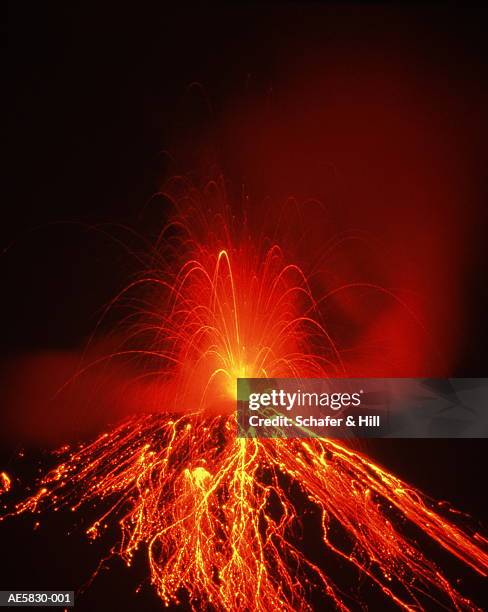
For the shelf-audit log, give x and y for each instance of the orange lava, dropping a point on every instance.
(221, 517)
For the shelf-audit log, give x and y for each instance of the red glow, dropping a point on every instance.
(219, 516)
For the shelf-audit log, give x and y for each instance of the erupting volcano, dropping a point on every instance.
(222, 519)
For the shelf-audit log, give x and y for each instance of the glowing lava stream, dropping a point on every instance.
(221, 518)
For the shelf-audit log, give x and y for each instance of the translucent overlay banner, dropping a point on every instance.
(362, 408)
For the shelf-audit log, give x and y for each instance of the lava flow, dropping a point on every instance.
(222, 519)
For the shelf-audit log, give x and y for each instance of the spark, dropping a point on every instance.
(220, 518)
(5, 482)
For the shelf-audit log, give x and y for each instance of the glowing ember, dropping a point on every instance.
(221, 517)
(5, 482)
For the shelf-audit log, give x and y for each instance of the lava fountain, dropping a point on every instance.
(221, 518)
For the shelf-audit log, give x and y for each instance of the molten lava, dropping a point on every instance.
(220, 517)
